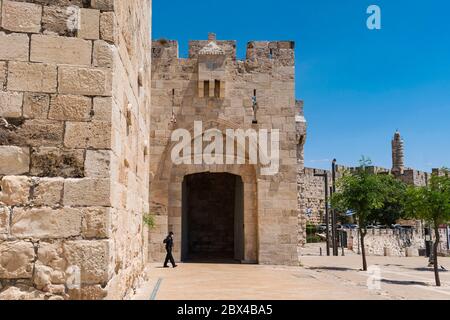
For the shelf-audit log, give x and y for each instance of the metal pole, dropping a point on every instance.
(327, 218)
(333, 230)
(334, 218)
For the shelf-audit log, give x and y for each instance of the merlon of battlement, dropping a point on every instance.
(256, 50)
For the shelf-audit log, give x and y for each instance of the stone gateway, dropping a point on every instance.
(225, 209)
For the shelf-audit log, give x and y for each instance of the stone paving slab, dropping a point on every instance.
(400, 278)
(330, 278)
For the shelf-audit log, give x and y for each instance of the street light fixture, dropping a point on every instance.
(255, 107)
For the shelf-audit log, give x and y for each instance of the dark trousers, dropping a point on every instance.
(169, 257)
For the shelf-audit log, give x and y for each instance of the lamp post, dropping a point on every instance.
(325, 176)
(333, 212)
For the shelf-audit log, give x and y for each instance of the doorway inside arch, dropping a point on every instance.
(213, 218)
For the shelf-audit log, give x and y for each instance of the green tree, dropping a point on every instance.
(393, 208)
(366, 194)
(432, 204)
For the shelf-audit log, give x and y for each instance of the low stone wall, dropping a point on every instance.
(390, 242)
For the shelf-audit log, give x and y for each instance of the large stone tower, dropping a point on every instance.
(398, 154)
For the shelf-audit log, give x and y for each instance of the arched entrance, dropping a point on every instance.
(212, 217)
(167, 198)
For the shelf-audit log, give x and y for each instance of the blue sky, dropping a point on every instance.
(358, 85)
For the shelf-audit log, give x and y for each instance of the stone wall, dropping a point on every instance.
(312, 194)
(414, 177)
(398, 243)
(380, 242)
(74, 128)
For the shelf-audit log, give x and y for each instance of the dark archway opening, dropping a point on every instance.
(213, 218)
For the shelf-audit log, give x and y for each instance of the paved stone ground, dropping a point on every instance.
(318, 278)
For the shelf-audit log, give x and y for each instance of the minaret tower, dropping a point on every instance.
(398, 154)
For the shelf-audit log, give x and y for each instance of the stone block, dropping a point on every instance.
(34, 133)
(85, 81)
(45, 223)
(87, 192)
(411, 252)
(16, 260)
(96, 134)
(55, 162)
(102, 109)
(103, 54)
(98, 163)
(104, 5)
(21, 16)
(61, 3)
(48, 192)
(96, 222)
(2, 73)
(22, 292)
(14, 160)
(14, 46)
(60, 50)
(89, 24)
(35, 105)
(94, 292)
(91, 257)
(55, 18)
(15, 190)
(42, 277)
(32, 77)
(52, 255)
(69, 107)
(107, 25)
(4, 220)
(11, 104)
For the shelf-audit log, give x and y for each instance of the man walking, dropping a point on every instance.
(169, 246)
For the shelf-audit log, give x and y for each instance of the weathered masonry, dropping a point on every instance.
(74, 147)
(225, 211)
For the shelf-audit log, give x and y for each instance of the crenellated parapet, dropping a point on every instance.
(265, 52)
(165, 49)
(280, 51)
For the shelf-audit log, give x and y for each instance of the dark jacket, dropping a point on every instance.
(169, 242)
